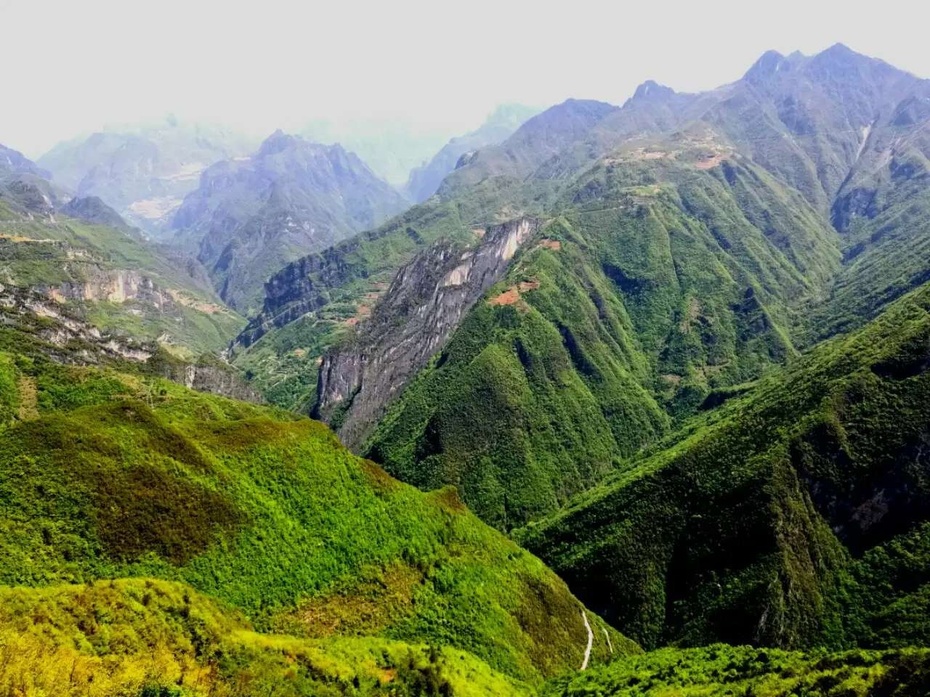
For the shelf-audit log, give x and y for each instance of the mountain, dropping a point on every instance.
(143, 172)
(38, 328)
(534, 143)
(176, 524)
(607, 323)
(689, 243)
(93, 210)
(424, 304)
(424, 181)
(82, 256)
(14, 164)
(391, 147)
(311, 303)
(250, 216)
(795, 516)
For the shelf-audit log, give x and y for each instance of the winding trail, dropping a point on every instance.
(587, 651)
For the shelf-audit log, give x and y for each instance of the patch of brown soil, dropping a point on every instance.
(20, 238)
(448, 499)
(479, 232)
(361, 312)
(710, 162)
(554, 245)
(206, 308)
(512, 294)
(508, 297)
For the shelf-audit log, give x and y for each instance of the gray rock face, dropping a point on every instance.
(64, 337)
(424, 305)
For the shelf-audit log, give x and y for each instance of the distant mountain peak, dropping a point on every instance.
(841, 56)
(652, 91)
(92, 209)
(278, 141)
(768, 64)
(839, 49)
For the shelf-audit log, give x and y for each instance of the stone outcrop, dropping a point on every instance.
(63, 337)
(422, 308)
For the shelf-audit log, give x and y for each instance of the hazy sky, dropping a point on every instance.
(72, 66)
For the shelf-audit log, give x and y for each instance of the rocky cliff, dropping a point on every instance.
(423, 306)
(39, 325)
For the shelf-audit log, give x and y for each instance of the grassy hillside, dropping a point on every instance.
(109, 475)
(796, 516)
(148, 637)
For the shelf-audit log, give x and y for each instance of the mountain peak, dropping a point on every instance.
(768, 64)
(652, 91)
(839, 49)
(278, 142)
(841, 56)
(92, 209)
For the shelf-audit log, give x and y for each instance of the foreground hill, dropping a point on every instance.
(250, 216)
(112, 475)
(796, 516)
(725, 670)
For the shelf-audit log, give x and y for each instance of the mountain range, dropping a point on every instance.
(142, 172)
(631, 401)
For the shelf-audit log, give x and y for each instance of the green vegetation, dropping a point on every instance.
(630, 313)
(115, 280)
(728, 670)
(340, 282)
(114, 475)
(793, 516)
(148, 638)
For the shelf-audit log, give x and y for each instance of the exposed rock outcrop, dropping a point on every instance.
(424, 305)
(60, 335)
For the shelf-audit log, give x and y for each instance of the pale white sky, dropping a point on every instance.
(73, 66)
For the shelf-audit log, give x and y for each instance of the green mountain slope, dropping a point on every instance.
(106, 272)
(796, 516)
(109, 475)
(726, 670)
(151, 637)
(638, 302)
